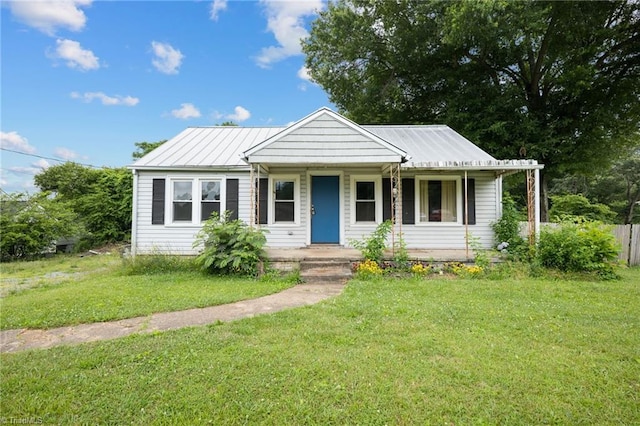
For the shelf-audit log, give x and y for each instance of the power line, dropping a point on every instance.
(47, 158)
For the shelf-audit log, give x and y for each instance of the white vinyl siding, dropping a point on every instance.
(325, 140)
(178, 238)
(175, 239)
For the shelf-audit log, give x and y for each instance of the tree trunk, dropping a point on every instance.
(544, 197)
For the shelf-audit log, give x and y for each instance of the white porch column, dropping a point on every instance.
(536, 179)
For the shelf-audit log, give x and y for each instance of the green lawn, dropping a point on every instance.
(521, 351)
(71, 290)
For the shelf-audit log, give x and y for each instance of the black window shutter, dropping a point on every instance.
(471, 196)
(408, 201)
(386, 199)
(157, 202)
(232, 198)
(263, 198)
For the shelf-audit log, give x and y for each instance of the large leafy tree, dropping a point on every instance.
(101, 198)
(554, 81)
(31, 224)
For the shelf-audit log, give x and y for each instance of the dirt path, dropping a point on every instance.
(300, 295)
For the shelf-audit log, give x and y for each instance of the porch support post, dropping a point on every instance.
(536, 178)
(257, 210)
(532, 207)
(396, 203)
(254, 195)
(466, 214)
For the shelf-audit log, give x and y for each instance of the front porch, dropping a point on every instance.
(335, 252)
(332, 263)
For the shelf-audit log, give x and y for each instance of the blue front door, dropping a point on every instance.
(325, 209)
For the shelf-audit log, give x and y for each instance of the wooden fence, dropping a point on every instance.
(628, 236)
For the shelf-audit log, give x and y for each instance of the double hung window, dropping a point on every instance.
(366, 197)
(439, 200)
(188, 206)
(284, 199)
(210, 198)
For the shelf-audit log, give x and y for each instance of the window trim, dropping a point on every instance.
(271, 211)
(377, 180)
(196, 198)
(459, 218)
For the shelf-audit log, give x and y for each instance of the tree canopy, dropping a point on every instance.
(102, 198)
(555, 81)
(143, 148)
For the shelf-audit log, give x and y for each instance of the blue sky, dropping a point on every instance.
(84, 80)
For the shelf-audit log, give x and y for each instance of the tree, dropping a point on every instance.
(228, 124)
(102, 198)
(579, 206)
(554, 81)
(618, 187)
(143, 148)
(69, 181)
(32, 223)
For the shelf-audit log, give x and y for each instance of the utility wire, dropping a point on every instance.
(48, 158)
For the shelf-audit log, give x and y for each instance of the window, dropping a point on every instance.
(439, 200)
(365, 201)
(187, 207)
(366, 195)
(210, 198)
(284, 200)
(182, 201)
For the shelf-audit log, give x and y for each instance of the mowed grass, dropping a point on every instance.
(526, 351)
(55, 298)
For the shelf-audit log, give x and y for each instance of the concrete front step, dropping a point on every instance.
(319, 271)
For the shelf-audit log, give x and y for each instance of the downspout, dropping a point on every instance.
(134, 215)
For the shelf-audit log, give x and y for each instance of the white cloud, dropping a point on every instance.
(65, 153)
(48, 15)
(186, 111)
(216, 7)
(240, 114)
(105, 99)
(75, 55)
(285, 21)
(167, 59)
(15, 142)
(303, 73)
(34, 169)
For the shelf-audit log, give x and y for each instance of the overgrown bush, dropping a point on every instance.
(31, 224)
(507, 230)
(372, 247)
(230, 246)
(579, 246)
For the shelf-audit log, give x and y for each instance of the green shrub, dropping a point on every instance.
(230, 246)
(579, 246)
(507, 230)
(372, 247)
(579, 206)
(401, 255)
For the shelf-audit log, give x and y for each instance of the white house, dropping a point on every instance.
(322, 180)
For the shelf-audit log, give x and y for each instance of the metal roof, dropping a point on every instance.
(206, 147)
(430, 143)
(429, 147)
